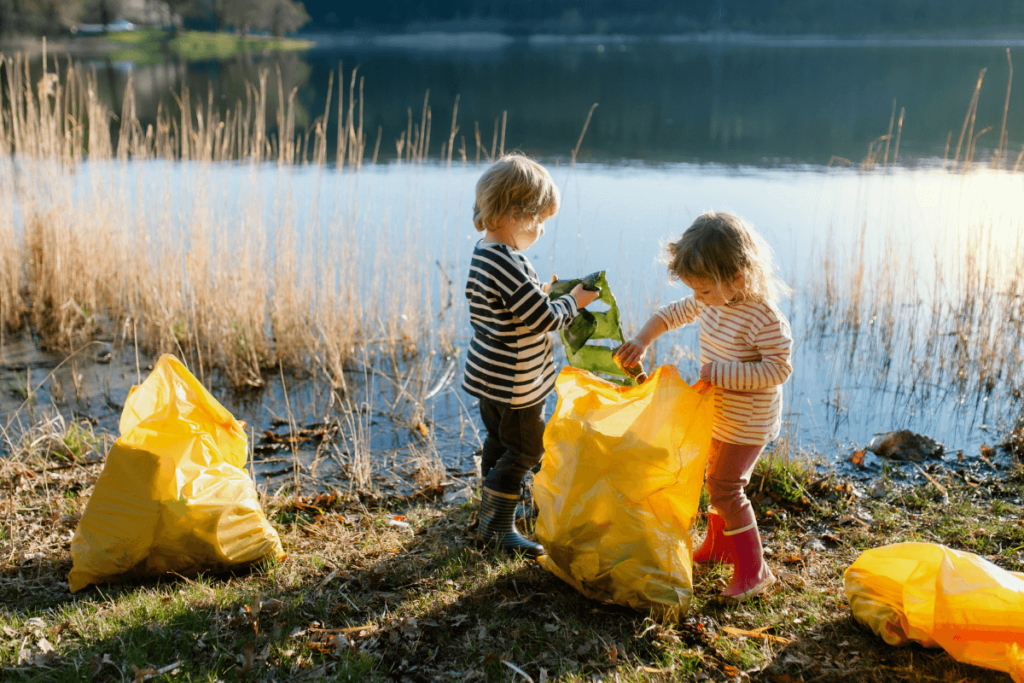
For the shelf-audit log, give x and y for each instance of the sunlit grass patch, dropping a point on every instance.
(201, 45)
(363, 598)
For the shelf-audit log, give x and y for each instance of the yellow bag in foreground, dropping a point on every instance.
(619, 488)
(173, 496)
(940, 597)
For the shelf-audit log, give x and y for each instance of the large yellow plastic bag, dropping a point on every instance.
(619, 488)
(173, 496)
(941, 597)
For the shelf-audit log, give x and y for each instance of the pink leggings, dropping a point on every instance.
(729, 468)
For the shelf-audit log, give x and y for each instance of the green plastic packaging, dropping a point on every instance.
(593, 326)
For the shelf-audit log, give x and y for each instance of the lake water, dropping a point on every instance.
(721, 99)
(681, 128)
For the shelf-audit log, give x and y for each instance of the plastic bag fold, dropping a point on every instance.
(173, 495)
(941, 597)
(593, 326)
(619, 488)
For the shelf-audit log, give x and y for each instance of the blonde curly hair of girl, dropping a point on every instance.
(716, 247)
(515, 186)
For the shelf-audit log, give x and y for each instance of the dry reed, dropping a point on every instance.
(241, 287)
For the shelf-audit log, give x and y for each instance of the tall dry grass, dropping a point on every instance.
(89, 249)
(938, 312)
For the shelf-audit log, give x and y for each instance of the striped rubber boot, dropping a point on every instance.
(497, 524)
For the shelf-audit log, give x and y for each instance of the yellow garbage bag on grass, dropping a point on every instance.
(173, 496)
(941, 597)
(619, 488)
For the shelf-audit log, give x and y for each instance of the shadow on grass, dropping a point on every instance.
(843, 650)
(371, 599)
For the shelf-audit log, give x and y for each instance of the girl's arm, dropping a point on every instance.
(666, 318)
(775, 342)
(633, 351)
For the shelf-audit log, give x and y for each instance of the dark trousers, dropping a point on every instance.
(514, 444)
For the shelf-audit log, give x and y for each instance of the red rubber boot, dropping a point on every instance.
(750, 574)
(715, 547)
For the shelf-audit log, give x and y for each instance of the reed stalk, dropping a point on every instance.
(238, 286)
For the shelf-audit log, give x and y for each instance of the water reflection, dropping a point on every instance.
(734, 103)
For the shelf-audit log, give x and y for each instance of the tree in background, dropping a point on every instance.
(286, 16)
(101, 12)
(278, 16)
(37, 17)
(179, 10)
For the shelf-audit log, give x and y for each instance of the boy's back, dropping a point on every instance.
(510, 356)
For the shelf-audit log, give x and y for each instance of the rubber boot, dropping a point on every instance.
(497, 524)
(715, 547)
(750, 574)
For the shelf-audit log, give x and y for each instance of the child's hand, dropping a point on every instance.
(546, 287)
(705, 373)
(631, 353)
(584, 297)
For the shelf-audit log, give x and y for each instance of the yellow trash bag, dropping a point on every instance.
(173, 496)
(619, 488)
(941, 597)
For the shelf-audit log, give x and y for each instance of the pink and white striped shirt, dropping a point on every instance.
(748, 345)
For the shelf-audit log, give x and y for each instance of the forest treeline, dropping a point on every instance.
(672, 16)
(836, 17)
(49, 17)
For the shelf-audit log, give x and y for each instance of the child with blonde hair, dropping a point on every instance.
(510, 366)
(745, 345)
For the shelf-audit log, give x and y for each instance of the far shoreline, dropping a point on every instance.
(433, 39)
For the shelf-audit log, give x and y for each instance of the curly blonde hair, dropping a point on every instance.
(716, 247)
(516, 186)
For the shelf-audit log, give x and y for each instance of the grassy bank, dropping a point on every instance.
(395, 589)
(152, 46)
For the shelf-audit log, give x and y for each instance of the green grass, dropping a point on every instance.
(360, 600)
(151, 46)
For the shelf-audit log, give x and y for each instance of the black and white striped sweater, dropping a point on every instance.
(510, 356)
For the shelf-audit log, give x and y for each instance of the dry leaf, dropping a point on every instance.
(858, 458)
(141, 675)
(730, 670)
(790, 577)
(756, 633)
(247, 659)
(272, 606)
(490, 658)
(655, 670)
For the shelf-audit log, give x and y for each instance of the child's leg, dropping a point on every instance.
(493, 449)
(521, 437)
(729, 469)
(520, 432)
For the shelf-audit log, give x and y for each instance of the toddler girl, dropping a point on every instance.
(745, 344)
